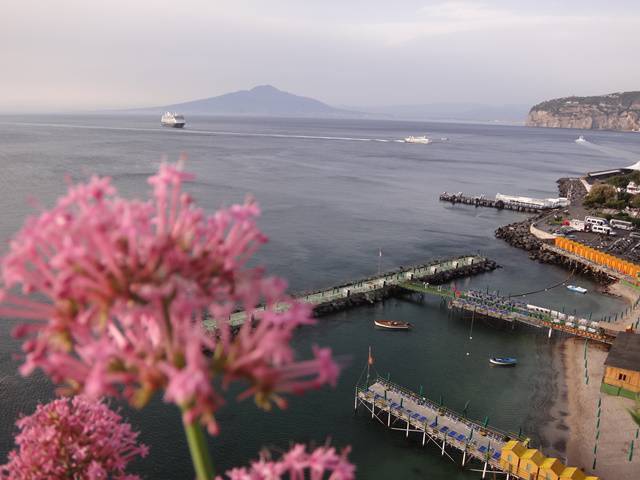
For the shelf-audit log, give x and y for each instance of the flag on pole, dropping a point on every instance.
(370, 359)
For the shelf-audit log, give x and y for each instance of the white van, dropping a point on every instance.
(602, 229)
(595, 220)
(621, 224)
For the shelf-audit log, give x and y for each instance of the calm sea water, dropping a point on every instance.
(333, 193)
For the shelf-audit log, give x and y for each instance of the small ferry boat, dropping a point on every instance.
(580, 139)
(172, 120)
(392, 324)
(503, 361)
(575, 288)
(423, 139)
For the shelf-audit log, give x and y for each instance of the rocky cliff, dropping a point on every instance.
(616, 111)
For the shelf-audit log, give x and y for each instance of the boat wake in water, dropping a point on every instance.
(610, 151)
(199, 132)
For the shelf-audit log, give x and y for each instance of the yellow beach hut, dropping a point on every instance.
(551, 469)
(572, 473)
(510, 456)
(530, 462)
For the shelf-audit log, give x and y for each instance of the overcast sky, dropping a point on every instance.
(76, 54)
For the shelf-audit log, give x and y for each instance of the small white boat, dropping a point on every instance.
(172, 120)
(392, 324)
(580, 139)
(575, 288)
(423, 140)
(503, 361)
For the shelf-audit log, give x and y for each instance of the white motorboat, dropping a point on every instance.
(423, 140)
(503, 361)
(580, 139)
(575, 288)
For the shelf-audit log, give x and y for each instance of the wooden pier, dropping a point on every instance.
(451, 432)
(478, 447)
(376, 288)
(482, 201)
(480, 304)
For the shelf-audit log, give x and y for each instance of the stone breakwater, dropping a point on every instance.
(519, 235)
(381, 294)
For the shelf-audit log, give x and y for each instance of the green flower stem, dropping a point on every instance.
(199, 453)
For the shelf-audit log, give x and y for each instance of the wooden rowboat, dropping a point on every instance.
(392, 324)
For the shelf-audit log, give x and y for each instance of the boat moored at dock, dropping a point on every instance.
(392, 324)
(575, 288)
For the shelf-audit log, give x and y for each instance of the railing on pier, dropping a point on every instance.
(368, 285)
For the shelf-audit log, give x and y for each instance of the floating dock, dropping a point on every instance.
(376, 288)
(481, 304)
(401, 409)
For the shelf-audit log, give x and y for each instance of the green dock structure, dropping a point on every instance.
(478, 445)
(369, 290)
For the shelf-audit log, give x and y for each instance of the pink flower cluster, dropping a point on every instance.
(323, 463)
(117, 289)
(76, 439)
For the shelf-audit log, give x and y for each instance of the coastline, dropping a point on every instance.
(575, 409)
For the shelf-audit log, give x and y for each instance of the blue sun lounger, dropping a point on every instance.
(422, 419)
(394, 405)
(496, 456)
(434, 424)
(483, 449)
(461, 437)
(453, 434)
(444, 429)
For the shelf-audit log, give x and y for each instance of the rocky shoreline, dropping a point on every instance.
(519, 235)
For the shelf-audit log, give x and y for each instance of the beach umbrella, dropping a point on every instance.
(486, 421)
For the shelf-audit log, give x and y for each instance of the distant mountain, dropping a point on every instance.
(464, 112)
(615, 111)
(262, 100)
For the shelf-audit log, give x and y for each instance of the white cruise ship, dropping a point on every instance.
(172, 120)
(423, 139)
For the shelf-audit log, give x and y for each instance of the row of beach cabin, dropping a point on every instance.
(531, 464)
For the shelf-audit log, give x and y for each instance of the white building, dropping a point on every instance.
(534, 202)
(633, 188)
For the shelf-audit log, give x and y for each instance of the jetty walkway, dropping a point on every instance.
(491, 305)
(482, 201)
(401, 409)
(379, 287)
